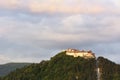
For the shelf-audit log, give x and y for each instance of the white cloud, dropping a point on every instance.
(77, 28)
(61, 6)
(116, 2)
(22, 34)
(4, 59)
(72, 22)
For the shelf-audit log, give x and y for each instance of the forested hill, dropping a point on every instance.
(60, 67)
(108, 69)
(64, 67)
(7, 68)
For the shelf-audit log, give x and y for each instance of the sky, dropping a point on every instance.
(35, 30)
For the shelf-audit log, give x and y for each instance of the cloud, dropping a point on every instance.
(116, 2)
(4, 59)
(9, 4)
(74, 28)
(60, 6)
(25, 36)
(54, 7)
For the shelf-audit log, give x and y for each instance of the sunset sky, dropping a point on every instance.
(33, 30)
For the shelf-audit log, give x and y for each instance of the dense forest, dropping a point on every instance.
(109, 70)
(63, 67)
(7, 68)
(60, 67)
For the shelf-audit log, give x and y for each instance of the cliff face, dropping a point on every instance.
(64, 67)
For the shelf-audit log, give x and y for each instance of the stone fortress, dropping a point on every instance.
(82, 53)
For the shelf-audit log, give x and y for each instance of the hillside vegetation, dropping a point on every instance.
(7, 68)
(109, 70)
(60, 67)
(64, 67)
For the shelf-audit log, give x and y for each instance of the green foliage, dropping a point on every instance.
(60, 67)
(7, 68)
(109, 70)
(63, 67)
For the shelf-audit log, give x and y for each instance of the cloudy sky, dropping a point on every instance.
(33, 30)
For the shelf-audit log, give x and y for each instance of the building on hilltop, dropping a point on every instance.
(76, 53)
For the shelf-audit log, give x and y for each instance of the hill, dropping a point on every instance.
(60, 67)
(108, 69)
(64, 67)
(7, 68)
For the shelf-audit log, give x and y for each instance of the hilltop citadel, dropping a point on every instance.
(82, 53)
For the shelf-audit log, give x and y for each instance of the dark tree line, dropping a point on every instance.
(63, 67)
(109, 70)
